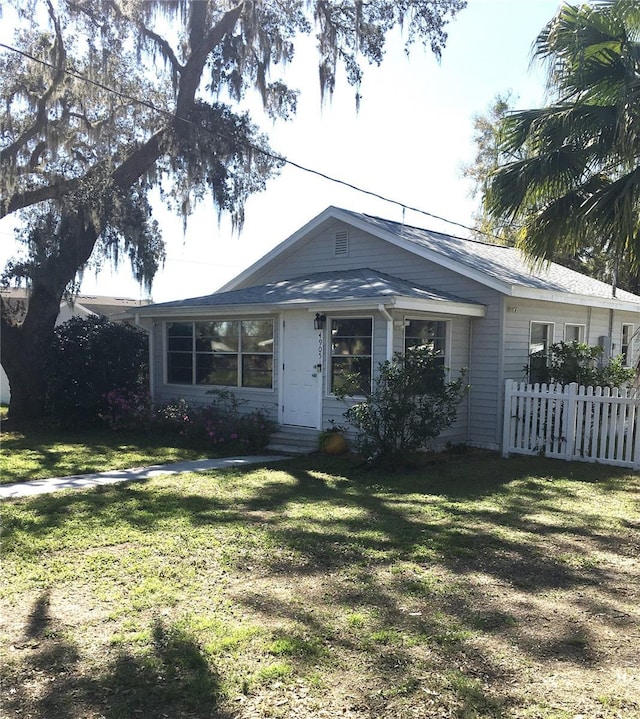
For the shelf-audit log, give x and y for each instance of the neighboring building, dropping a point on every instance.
(378, 287)
(115, 308)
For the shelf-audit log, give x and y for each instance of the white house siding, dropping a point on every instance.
(520, 313)
(251, 399)
(334, 409)
(317, 254)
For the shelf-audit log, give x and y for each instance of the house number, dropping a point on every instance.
(320, 352)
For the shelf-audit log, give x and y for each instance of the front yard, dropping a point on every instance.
(473, 587)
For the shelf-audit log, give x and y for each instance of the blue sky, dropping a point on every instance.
(408, 142)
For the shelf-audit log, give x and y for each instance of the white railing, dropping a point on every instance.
(589, 424)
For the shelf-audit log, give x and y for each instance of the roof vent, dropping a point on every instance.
(342, 243)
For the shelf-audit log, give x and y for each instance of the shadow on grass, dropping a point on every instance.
(52, 681)
(42, 451)
(357, 534)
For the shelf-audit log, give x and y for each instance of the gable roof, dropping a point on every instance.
(505, 269)
(352, 288)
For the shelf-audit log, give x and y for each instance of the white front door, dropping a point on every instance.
(302, 372)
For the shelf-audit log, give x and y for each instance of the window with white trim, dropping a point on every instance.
(431, 335)
(351, 353)
(426, 333)
(221, 353)
(540, 340)
(626, 344)
(574, 333)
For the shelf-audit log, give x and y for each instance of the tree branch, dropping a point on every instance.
(8, 153)
(191, 75)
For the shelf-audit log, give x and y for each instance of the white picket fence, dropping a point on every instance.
(589, 424)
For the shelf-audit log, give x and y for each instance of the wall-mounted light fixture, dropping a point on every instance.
(320, 321)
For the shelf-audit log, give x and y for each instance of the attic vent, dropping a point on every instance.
(342, 243)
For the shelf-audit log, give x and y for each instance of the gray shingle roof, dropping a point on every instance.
(506, 264)
(333, 286)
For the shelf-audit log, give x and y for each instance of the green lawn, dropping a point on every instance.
(39, 453)
(474, 587)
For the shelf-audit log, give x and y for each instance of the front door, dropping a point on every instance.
(302, 371)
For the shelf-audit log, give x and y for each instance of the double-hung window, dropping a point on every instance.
(574, 333)
(223, 353)
(351, 354)
(626, 345)
(540, 341)
(431, 335)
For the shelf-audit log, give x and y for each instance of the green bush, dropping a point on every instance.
(218, 424)
(568, 362)
(128, 409)
(87, 359)
(410, 403)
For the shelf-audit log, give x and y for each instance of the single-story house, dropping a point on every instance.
(16, 301)
(348, 290)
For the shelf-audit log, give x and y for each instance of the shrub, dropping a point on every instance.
(568, 362)
(87, 359)
(127, 409)
(218, 424)
(410, 403)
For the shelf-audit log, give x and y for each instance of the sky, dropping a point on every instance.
(408, 142)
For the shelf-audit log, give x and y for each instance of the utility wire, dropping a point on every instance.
(255, 148)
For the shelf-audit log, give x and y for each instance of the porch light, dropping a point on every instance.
(320, 321)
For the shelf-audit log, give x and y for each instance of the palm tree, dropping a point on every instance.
(578, 185)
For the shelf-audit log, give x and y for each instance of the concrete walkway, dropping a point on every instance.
(82, 481)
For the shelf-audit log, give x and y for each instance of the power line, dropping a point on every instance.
(273, 156)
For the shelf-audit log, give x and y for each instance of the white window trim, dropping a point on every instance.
(583, 329)
(631, 341)
(329, 350)
(448, 342)
(208, 387)
(551, 332)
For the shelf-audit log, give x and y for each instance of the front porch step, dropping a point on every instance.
(288, 439)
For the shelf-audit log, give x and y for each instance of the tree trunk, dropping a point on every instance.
(23, 347)
(23, 362)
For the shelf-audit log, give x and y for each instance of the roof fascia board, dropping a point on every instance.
(402, 303)
(609, 303)
(442, 307)
(208, 310)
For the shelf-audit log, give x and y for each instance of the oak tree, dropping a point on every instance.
(107, 100)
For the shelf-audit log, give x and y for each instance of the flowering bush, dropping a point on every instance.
(219, 424)
(127, 409)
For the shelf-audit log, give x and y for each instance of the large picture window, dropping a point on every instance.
(223, 353)
(351, 353)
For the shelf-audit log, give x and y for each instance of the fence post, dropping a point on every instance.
(506, 422)
(572, 405)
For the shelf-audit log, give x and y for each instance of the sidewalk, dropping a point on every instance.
(82, 481)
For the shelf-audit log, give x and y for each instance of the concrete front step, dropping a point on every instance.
(294, 440)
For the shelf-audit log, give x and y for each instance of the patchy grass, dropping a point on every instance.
(472, 588)
(39, 452)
